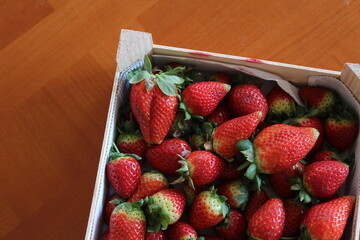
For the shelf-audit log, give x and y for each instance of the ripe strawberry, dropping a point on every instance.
(110, 205)
(165, 157)
(327, 220)
(226, 136)
(247, 98)
(293, 215)
(268, 222)
(256, 200)
(318, 97)
(123, 172)
(323, 179)
(313, 122)
(280, 103)
(235, 192)
(128, 222)
(164, 208)
(150, 183)
(325, 155)
(231, 171)
(220, 115)
(153, 101)
(280, 182)
(202, 98)
(200, 168)
(160, 235)
(133, 143)
(220, 77)
(341, 130)
(208, 209)
(180, 231)
(105, 235)
(235, 228)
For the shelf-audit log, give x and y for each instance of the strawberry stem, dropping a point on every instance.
(244, 165)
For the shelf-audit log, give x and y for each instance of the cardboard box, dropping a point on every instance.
(134, 45)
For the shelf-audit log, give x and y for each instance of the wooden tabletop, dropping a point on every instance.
(57, 61)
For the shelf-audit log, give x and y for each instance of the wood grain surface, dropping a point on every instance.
(57, 61)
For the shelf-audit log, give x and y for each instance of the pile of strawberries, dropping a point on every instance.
(214, 147)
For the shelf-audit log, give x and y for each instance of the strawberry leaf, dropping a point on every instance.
(133, 73)
(147, 63)
(166, 87)
(251, 172)
(247, 149)
(140, 76)
(171, 78)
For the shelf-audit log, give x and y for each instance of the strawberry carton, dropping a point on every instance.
(223, 144)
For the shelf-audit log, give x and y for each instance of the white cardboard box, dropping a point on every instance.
(134, 45)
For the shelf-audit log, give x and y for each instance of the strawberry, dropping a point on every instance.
(164, 208)
(235, 228)
(327, 220)
(165, 157)
(160, 235)
(128, 222)
(123, 172)
(191, 193)
(235, 192)
(231, 170)
(325, 155)
(226, 136)
(276, 148)
(341, 129)
(105, 235)
(181, 231)
(200, 168)
(150, 183)
(320, 98)
(110, 205)
(247, 98)
(280, 182)
(208, 209)
(220, 115)
(256, 200)
(280, 103)
(132, 143)
(202, 98)
(323, 179)
(293, 215)
(268, 222)
(220, 77)
(154, 102)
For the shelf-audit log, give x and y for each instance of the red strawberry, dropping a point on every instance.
(231, 171)
(105, 235)
(133, 143)
(268, 222)
(200, 168)
(318, 97)
(164, 208)
(327, 220)
(325, 155)
(128, 222)
(235, 192)
(202, 98)
(208, 209)
(165, 157)
(150, 183)
(123, 172)
(293, 215)
(280, 182)
(236, 227)
(180, 231)
(323, 179)
(220, 115)
(160, 235)
(247, 98)
(341, 130)
(256, 200)
(154, 102)
(110, 205)
(281, 104)
(313, 122)
(220, 77)
(227, 135)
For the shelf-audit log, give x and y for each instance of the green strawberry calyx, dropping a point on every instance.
(225, 208)
(115, 154)
(157, 217)
(304, 195)
(129, 207)
(188, 115)
(243, 197)
(168, 81)
(184, 172)
(247, 149)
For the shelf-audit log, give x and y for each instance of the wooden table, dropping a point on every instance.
(57, 66)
